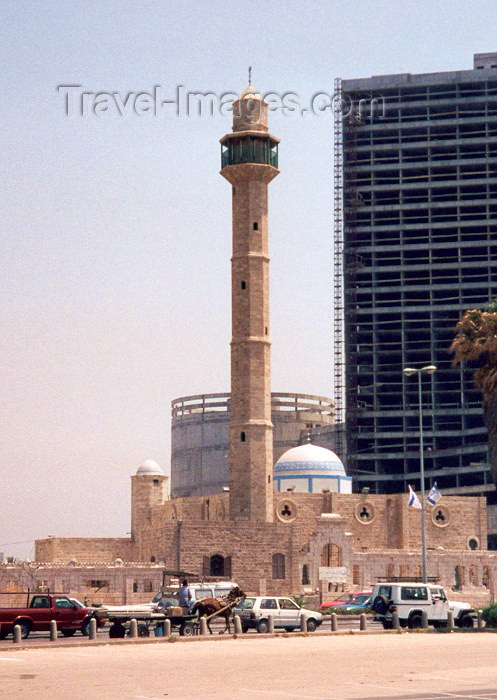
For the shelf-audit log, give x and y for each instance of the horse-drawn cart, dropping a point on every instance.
(151, 617)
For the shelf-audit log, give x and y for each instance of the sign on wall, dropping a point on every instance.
(333, 574)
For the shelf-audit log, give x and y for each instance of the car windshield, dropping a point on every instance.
(246, 604)
(358, 600)
(77, 603)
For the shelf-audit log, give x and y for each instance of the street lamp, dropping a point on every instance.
(409, 371)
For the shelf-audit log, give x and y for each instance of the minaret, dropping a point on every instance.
(249, 163)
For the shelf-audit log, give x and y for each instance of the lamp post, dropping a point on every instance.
(409, 371)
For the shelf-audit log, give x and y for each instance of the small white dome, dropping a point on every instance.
(310, 458)
(149, 467)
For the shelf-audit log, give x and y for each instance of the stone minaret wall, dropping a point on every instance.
(251, 429)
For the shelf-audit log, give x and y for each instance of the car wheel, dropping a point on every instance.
(387, 624)
(117, 631)
(85, 628)
(467, 622)
(187, 629)
(245, 629)
(312, 625)
(415, 622)
(263, 627)
(25, 629)
(68, 633)
(3, 635)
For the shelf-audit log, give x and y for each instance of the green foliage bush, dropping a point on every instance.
(489, 614)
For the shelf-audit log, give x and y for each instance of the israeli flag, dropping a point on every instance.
(413, 501)
(434, 496)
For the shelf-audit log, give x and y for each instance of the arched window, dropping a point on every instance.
(152, 559)
(305, 575)
(242, 436)
(331, 555)
(147, 586)
(278, 566)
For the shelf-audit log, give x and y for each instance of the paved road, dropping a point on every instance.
(385, 666)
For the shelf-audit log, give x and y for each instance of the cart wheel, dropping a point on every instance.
(117, 631)
(187, 629)
(143, 630)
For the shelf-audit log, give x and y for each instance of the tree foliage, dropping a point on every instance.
(476, 341)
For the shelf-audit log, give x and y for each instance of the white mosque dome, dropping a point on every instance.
(149, 467)
(311, 469)
(309, 457)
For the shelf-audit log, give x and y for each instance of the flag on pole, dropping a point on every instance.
(434, 496)
(413, 501)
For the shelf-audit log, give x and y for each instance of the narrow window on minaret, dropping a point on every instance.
(265, 330)
(243, 285)
(242, 437)
(256, 226)
(234, 191)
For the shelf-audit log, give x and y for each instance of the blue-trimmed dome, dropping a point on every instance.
(309, 458)
(311, 469)
(149, 467)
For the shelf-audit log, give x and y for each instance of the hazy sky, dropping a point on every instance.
(116, 231)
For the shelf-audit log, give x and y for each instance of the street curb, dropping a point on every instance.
(217, 638)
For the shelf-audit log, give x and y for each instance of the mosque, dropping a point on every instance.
(289, 527)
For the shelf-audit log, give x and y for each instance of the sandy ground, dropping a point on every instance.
(432, 667)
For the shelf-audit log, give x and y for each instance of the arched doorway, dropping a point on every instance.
(331, 555)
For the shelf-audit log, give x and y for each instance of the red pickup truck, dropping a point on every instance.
(36, 618)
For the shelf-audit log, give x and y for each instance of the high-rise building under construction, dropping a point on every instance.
(415, 246)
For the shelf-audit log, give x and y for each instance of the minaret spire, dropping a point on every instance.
(250, 75)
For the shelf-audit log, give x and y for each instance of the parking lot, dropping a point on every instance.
(316, 667)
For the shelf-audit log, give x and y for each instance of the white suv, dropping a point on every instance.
(254, 613)
(409, 600)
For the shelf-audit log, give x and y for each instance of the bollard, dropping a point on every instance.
(450, 621)
(53, 630)
(362, 622)
(92, 632)
(17, 634)
(424, 620)
(238, 624)
(480, 620)
(203, 626)
(270, 619)
(334, 622)
(303, 623)
(133, 628)
(395, 620)
(167, 628)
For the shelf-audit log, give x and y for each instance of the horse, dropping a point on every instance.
(210, 606)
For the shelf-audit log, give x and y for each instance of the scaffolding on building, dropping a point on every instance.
(338, 264)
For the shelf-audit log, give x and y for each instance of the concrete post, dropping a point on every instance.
(238, 624)
(17, 634)
(270, 619)
(395, 620)
(334, 622)
(424, 620)
(450, 621)
(133, 628)
(362, 622)
(303, 623)
(53, 630)
(167, 628)
(203, 626)
(93, 629)
(480, 620)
